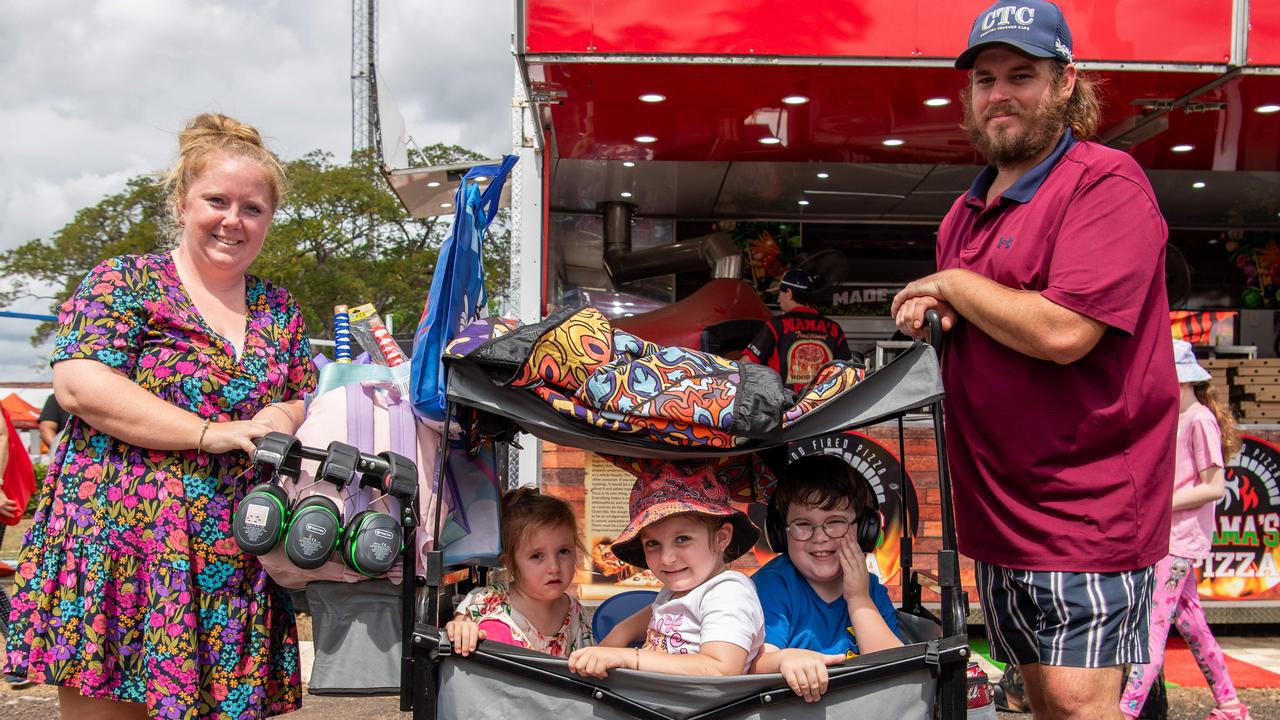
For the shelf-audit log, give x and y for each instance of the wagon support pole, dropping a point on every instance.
(414, 674)
(955, 601)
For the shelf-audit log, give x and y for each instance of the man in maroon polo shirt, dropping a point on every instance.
(1061, 393)
(801, 340)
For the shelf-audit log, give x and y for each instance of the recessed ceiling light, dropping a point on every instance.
(628, 164)
(803, 202)
(1197, 185)
(652, 97)
(823, 176)
(1267, 109)
(446, 205)
(770, 140)
(624, 193)
(1183, 148)
(892, 142)
(646, 139)
(937, 101)
(795, 99)
(434, 183)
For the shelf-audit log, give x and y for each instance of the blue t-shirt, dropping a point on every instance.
(795, 617)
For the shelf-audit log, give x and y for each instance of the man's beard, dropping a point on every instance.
(1008, 146)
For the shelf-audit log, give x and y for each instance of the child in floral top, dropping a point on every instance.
(535, 610)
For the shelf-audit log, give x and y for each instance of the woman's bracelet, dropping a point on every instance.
(204, 427)
(637, 659)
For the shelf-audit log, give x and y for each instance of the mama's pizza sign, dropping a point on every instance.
(1245, 560)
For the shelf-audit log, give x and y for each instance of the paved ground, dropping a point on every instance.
(1195, 704)
(40, 703)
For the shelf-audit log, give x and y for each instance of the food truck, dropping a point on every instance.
(677, 157)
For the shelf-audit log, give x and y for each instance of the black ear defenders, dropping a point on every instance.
(261, 517)
(867, 526)
(373, 540)
(315, 523)
(312, 528)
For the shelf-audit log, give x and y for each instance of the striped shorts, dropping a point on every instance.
(1073, 619)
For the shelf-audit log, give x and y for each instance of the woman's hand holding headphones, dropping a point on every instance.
(857, 580)
(222, 437)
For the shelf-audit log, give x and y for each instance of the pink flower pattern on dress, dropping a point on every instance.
(127, 587)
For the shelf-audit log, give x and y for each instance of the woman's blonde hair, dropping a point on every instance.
(1231, 442)
(210, 135)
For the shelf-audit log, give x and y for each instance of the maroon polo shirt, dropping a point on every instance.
(1064, 467)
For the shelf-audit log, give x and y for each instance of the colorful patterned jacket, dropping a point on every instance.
(589, 371)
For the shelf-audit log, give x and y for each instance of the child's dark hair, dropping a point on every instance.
(525, 510)
(823, 481)
(1231, 442)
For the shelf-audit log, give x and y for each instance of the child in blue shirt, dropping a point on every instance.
(820, 603)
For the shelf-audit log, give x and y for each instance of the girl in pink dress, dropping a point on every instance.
(1206, 435)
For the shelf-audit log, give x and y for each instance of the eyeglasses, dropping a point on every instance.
(835, 529)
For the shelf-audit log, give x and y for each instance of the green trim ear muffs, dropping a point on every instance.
(372, 543)
(260, 519)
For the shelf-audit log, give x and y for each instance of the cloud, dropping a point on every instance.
(96, 91)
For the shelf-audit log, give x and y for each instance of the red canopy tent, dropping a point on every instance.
(24, 415)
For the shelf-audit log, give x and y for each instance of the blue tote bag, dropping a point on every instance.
(457, 289)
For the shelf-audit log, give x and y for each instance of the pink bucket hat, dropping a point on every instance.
(672, 490)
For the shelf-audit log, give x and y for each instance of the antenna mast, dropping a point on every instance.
(364, 53)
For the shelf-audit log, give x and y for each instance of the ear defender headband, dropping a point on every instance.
(374, 539)
(868, 526)
(261, 517)
(315, 526)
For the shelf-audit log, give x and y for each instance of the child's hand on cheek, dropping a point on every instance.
(597, 661)
(857, 582)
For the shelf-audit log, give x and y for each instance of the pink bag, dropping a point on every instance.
(373, 416)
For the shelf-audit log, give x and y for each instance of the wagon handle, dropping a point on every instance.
(934, 321)
(955, 601)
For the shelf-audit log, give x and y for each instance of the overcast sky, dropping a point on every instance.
(93, 92)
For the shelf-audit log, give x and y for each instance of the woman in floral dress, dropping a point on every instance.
(131, 593)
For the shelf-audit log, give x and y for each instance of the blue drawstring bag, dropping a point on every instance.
(457, 288)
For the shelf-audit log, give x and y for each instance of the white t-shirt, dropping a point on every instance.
(722, 609)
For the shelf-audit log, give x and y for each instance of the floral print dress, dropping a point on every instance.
(493, 602)
(130, 586)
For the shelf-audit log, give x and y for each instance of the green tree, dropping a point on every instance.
(340, 237)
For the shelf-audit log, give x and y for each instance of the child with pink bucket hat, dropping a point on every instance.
(707, 619)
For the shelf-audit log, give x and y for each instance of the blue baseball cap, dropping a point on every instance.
(1032, 27)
